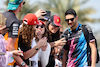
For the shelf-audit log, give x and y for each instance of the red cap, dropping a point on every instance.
(40, 22)
(30, 19)
(55, 20)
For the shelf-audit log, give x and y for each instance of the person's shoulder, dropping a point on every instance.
(66, 31)
(5, 12)
(10, 17)
(88, 28)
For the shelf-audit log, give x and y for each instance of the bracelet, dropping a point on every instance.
(36, 48)
(22, 63)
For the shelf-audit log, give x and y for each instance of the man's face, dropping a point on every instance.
(71, 20)
(21, 6)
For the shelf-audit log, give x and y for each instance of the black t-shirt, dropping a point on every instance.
(13, 23)
(23, 46)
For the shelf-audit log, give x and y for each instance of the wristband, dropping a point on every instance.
(36, 48)
(22, 63)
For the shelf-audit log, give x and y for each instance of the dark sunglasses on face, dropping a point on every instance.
(61, 32)
(40, 26)
(67, 20)
(23, 2)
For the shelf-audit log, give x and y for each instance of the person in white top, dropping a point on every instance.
(44, 52)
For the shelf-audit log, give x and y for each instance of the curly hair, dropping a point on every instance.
(27, 32)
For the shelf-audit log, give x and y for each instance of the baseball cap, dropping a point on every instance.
(40, 22)
(2, 19)
(55, 20)
(30, 19)
(13, 4)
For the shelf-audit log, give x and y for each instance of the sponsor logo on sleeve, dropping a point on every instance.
(15, 29)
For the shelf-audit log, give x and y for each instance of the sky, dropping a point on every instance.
(95, 4)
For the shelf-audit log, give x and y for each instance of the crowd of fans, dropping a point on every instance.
(38, 40)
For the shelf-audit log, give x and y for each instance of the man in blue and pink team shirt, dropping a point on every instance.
(77, 48)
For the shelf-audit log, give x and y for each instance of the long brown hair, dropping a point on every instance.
(27, 32)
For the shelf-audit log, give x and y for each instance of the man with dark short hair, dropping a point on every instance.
(14, 6)
(77, 49)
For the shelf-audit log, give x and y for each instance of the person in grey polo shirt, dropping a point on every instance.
(14, 6)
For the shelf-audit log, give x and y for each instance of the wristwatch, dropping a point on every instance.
(36, 48)
(22, 63)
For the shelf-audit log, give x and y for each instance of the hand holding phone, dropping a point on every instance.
(39, 13)
(20, 50)
(48, 14)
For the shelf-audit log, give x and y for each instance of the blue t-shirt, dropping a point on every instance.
(78, 47)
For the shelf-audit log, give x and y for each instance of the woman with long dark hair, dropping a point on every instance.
(53, 35)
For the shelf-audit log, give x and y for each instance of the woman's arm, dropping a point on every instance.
(30, 53)
(60, 42)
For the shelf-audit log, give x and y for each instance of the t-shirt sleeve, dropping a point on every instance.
(91, 36)
(13, 30)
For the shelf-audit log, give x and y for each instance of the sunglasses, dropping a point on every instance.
(39, 26)
(61, 32)
(67, 20)
(23, 2)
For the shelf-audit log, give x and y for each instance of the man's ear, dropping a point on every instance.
(76, 17)
(20, 5)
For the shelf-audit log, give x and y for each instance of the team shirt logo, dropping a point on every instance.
(57, 20)
(15, 29)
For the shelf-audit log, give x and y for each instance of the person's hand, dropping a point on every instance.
(39, 13)
(60, 42)
(17, 52)
(2, 29)
(58, 49)
(44, 48)
(42, 42)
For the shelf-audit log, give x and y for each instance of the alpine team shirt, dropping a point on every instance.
(77, 46)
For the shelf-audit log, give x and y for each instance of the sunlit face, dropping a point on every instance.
(71, 20)
(53, 29)
(40, 29)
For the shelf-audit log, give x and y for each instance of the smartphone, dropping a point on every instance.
(48, 13)
(20, 50)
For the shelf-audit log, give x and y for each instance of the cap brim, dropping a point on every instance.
(56, 24)
(12, 6)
